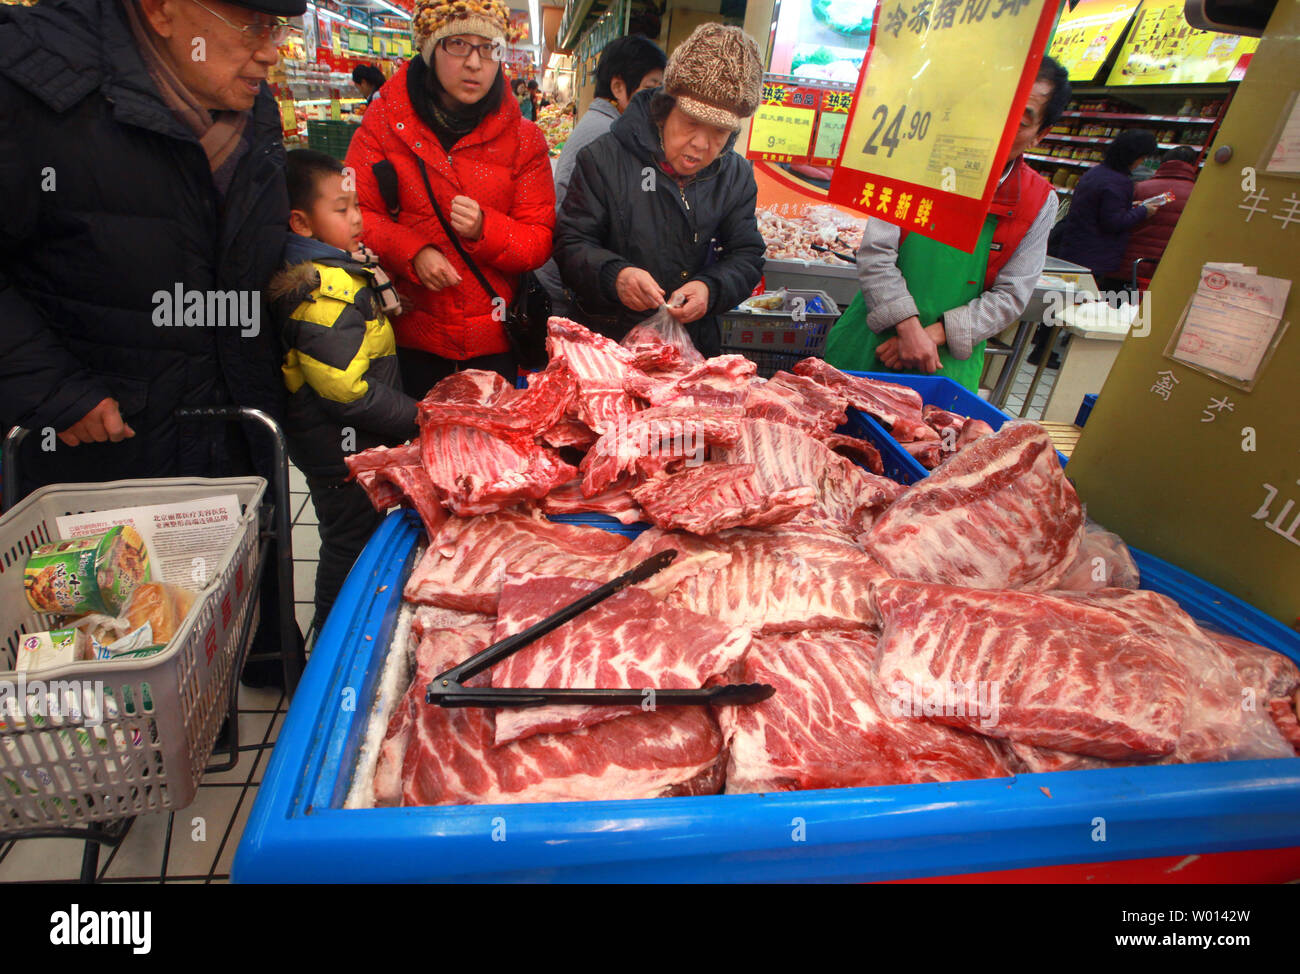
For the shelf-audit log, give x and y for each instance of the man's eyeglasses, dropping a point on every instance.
(255, 35)
(459, 47)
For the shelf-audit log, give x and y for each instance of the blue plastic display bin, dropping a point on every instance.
(299, 832)
(1085, 409)
(935, 390)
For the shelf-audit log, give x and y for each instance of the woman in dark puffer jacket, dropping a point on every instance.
(659, 209)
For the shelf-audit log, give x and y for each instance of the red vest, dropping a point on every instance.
(1016, 205)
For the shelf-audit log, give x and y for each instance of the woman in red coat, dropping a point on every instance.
(1177, 175)
(491, 176)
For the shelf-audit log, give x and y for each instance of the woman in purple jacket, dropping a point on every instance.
(1095, 230)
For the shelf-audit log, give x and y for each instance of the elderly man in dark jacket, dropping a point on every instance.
(659, 209)
(142, 173)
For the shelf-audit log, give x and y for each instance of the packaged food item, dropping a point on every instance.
(96, 573)
(161, 606)
(42, 650)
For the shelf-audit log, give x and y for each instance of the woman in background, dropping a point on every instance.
(1095, 231)
(627, 66)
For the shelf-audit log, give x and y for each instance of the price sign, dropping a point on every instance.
(937, 105)
(830, 127)
(404, 46)
(288, 119)
(1162, 48)
(336, 42)
(1085, 35)
(782, 128)
(358, 42)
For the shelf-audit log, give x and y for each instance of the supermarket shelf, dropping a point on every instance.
(1119, 117)
(1081, 163)
(1106, 140)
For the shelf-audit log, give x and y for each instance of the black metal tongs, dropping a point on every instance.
(447, 689)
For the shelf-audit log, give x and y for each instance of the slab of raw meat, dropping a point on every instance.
(471, 387)
(570, 431)
(427, 618)
(1283, 712)
(858, 450)
(943, 421)
(524, 414)
(998, 515)
(972, 430)
(613, 500)
(786, 458)
(447, 756)
(1027, 759)
(477, 472)
(1269, 673)
(630, 641)
(783, 580)
(1102, 561)
(1217, 723)
(928, 453)
(797, 401)
(723, 380)
(708, 499)
(417, 491)
(651, 440)
(897, 407)
(466, 563)
(601, 367)
(1069, 673)
(395, 476)
(824, 728)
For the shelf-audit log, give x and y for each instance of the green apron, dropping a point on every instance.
(939, 278)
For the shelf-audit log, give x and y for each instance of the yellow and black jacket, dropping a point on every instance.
(340, 363)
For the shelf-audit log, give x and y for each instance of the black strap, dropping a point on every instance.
(451, 234)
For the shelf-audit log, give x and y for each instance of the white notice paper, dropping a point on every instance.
(186, 540)
(1231, 322)
(1286, 153)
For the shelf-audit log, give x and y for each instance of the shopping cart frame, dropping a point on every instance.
(274, 527)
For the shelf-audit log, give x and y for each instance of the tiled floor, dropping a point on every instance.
(206, 833)
(1020, 389)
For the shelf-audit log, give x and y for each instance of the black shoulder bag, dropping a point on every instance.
(526, 315)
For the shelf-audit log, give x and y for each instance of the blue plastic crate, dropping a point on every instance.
(1085, 409)
(299, 832)
(935, 390)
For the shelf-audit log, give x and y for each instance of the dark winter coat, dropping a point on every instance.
(1101, 214)
(1152, 237)
(340, 363)
(109, 209)
(622, 210)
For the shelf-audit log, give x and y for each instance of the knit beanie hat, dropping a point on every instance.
(433, 20)
(716, 75)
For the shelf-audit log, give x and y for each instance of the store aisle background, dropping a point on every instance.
(206, 834)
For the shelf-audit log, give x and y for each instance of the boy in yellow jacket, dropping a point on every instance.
(340, 364)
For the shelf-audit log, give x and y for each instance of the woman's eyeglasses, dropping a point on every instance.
(255, 35)
(459, 47)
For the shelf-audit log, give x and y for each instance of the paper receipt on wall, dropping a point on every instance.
(186, 539)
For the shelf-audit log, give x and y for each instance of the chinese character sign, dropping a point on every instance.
(782, 129)
(937, 104)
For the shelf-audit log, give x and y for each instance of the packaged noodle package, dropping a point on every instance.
(96, 573)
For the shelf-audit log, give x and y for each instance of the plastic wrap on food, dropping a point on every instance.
(1103, 561)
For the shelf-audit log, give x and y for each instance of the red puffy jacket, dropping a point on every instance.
(1151, 237)
(504, 165)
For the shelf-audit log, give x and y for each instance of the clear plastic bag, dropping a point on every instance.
(662, 328)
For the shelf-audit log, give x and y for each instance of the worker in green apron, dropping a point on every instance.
(939, 278)
(946, 302)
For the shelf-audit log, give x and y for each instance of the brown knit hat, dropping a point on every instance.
(432, 20)
(716, 75)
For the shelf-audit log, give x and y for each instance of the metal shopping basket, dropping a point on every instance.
(101, 742)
